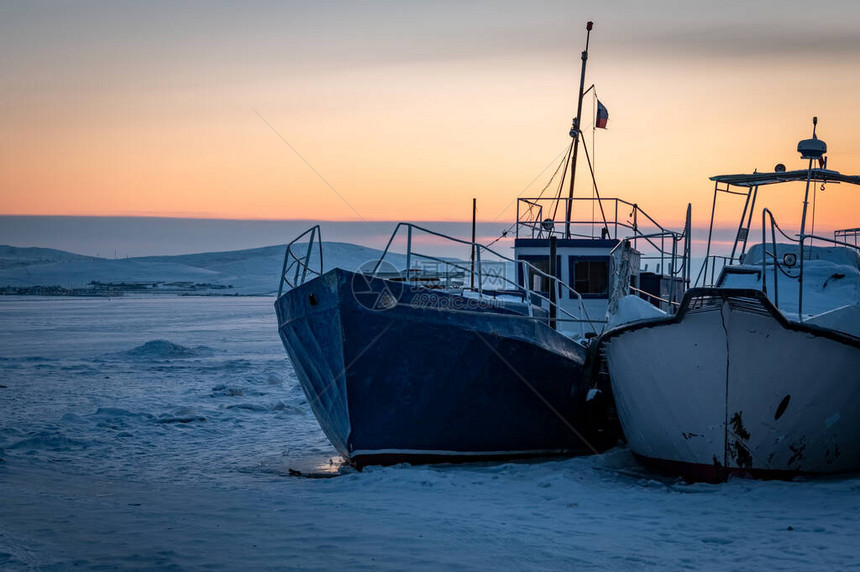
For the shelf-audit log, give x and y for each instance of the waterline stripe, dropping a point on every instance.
(365, 452)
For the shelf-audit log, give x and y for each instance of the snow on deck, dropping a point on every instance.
(831, 280)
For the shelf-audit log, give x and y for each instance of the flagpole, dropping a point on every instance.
(574, 131)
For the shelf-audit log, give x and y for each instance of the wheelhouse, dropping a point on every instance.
(623, 251)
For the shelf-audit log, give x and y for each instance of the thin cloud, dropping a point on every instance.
(753, 41)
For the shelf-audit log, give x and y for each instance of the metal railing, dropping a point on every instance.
(712, 265)
(781, 267)
(637, 227)
(530, 220)
(714, 262)
(300, 265)
(777, 267)
(529, 271)
(848, 235)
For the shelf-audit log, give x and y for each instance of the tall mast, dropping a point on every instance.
(817, 153)
(574, 131)
(812, 149)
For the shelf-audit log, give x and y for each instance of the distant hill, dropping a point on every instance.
(248, 272)
(14, 256)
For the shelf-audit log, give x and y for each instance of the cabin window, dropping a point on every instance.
(590, 276)
(536, 281)
(539, 282)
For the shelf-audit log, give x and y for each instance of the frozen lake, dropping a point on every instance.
(158, 433)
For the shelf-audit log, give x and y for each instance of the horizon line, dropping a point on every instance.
(250, 219)
(301, 219)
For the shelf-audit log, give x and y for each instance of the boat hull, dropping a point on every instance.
(728, 385)
(396, 373)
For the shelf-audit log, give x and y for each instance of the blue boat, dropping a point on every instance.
(393, 373)
(438, 358)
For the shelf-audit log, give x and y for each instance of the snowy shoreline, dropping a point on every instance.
(251, 272)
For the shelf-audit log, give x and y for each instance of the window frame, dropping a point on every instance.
(531, 259)
(571, 268)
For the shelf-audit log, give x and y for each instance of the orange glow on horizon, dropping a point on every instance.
(416, 140)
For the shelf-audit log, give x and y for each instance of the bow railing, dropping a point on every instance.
(298, 265)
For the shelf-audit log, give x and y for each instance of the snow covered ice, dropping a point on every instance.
(159, 433)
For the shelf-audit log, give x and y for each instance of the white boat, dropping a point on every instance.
(759, 370)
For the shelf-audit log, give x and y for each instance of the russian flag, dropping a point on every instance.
(602, 115)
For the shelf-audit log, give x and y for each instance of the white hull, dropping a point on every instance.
(729, 387)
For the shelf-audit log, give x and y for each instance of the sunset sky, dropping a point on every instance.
(408, 109)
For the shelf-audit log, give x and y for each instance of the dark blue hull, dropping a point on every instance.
(397, 373)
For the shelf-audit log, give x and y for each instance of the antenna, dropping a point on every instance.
(812, 149)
